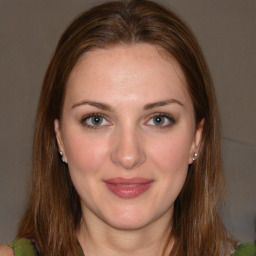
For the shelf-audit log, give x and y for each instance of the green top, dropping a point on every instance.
(24, 247)
(248, 249)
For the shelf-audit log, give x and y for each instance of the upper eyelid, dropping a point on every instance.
(84, 120)
(170, 118)
(149, 117)
(161, 114)
(106, 116)
(94, 114)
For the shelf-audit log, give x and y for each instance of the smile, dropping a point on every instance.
(128, 188)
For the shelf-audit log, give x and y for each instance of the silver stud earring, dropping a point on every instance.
(195, 156)
(62, 158)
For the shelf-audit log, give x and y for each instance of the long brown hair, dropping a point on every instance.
(54, 213)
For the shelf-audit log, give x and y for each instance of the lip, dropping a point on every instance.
(128, 188)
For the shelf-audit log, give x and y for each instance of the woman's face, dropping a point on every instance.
(128, 134)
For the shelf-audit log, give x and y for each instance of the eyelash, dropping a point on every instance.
(171, 120)
(87, 117)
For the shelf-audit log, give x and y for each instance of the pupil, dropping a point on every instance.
(97, 120)
(158, 120)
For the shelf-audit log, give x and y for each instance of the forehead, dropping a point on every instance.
(123, 54)
(127, 70)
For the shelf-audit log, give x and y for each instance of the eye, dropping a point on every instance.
(95, 121)
(161, 120)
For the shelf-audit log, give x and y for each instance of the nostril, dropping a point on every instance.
(127, 149)
(128, 159)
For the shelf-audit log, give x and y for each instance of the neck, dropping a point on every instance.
(98, 238)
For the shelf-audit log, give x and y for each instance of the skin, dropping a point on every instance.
(127, 143)
(5, 250)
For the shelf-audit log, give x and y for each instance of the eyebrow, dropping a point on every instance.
(162, 103)
(107, 107)
(99, 105)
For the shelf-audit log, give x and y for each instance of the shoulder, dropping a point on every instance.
(6, 250)
(23, 247)
(248, 249)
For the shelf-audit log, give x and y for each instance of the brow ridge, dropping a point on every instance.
(107, 107)
(99, 105)
(161, 103)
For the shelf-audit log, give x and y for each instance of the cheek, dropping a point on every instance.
(170, 159)
(85, 155)
(171, 152)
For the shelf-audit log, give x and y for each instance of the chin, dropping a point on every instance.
(128, 224)
(130, 220)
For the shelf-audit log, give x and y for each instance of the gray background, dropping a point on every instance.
(226, 30)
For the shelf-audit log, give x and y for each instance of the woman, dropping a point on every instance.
(126, 156)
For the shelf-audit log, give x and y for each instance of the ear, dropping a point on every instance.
(59, 139)
(196, 141)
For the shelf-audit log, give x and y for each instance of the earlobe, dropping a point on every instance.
(59, 140)
(196, 142)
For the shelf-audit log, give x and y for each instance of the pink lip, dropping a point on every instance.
(128, 188)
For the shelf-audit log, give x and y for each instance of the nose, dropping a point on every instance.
(128, 151)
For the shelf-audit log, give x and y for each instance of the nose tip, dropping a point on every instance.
(128, 161)
(128, 152)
